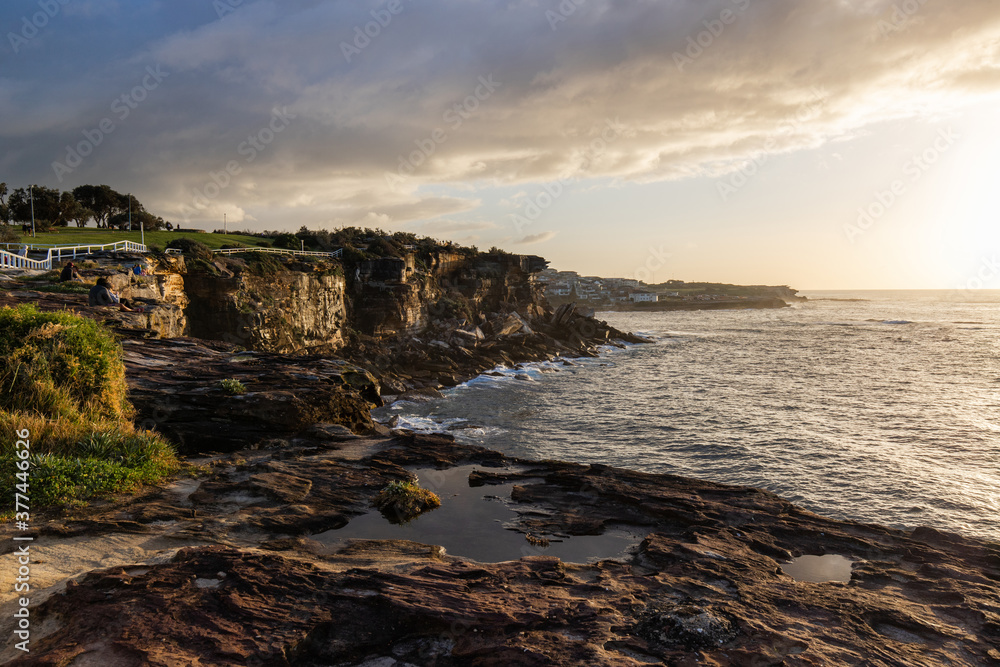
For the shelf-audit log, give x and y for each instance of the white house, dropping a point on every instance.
(643, 297)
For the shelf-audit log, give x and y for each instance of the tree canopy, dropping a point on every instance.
(102, 201)
(52, 208)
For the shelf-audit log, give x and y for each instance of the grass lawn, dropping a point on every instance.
(87, 235)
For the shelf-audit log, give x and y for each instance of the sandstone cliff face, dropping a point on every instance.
(279, 309)
(280, 304)
(395, 296)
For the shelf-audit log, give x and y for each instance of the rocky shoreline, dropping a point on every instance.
(235, 573)
(240, 563)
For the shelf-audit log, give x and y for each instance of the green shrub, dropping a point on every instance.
(60, 365)
(263, 263)
(232, 386)
(62, 379)
(288, 242)
(401, 502)
(192, 248)
(103, 463)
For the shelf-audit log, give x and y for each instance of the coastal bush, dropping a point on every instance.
(401, 502)
(384, 247)
(74, 461)
(288, 242)
(263, 264)
(60, 365)
(198, 265)
(62, 379)
(192, 248)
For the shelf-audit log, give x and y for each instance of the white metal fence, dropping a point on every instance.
(281, 251)
(54, 253)
(10, 260)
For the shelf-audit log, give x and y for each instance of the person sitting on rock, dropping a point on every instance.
(69, 273)
(101, 295)
(137, 269)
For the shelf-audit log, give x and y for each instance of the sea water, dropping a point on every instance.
(881, 407)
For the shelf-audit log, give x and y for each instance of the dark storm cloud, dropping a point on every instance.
(441, 93)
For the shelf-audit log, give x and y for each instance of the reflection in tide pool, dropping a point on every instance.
(474, 523)
(819, 569)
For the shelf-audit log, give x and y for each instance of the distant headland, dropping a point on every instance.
(625, 294)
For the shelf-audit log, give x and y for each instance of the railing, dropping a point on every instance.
(280, 251)
(58, 252)
(9, 260)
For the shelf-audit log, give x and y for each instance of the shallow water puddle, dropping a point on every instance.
(819, 569)
(471, 523)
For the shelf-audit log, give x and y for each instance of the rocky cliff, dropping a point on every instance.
(279, 304)
(267, 303)
(406, 295)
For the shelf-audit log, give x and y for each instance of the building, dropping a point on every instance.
(642, 297)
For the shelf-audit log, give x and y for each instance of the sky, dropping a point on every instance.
(825, 144)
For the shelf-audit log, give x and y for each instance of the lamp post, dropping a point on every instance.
(31, 195)
(225, 224)
(142, 227)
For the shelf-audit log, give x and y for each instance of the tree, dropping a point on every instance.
(70, 210)
(102, 201)
(4, 209)
(287, 241)
(141, 218)
(46, 205)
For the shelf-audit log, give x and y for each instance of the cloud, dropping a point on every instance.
(640, 91)
(533, 239)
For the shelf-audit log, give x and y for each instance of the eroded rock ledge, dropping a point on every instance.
(704, 587)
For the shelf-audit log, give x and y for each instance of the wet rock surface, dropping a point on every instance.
(176, 388)
(704, 587)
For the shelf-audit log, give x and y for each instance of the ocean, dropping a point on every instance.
(881, 407)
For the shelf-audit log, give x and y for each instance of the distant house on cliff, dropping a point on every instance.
(643, 297)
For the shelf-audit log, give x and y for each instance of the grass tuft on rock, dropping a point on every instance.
(62, 378)
(401, 502)
(232, 386)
